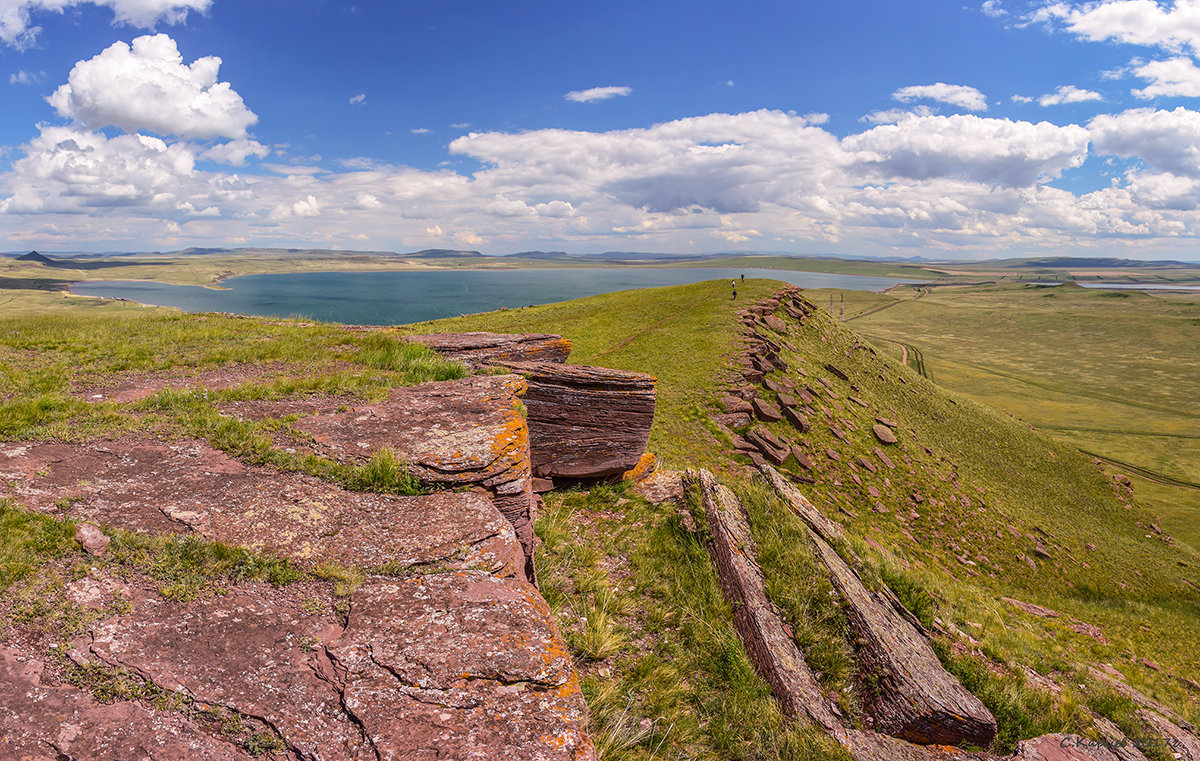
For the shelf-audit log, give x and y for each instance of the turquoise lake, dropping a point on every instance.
(397, 298)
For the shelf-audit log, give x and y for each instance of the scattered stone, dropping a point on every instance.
(764, 410)
(798, 421)
(887, 461)
(1088, 630)
(866, 464)
(662, 486)
(778, 388)
(93, 540)
(1031, 609)
(887, 422)
(775, 324)
(838, 372)
(734, 419)
(1041, 551)
(733, 404)
(770, 445)
(543, 485)
(787, 400)
(884, 434)
(839, 433)
(857, 401)
(833, 455)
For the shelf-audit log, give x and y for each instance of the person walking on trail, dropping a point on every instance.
(743, 278)
(733, 284)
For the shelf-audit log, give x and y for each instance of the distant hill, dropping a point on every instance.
(34, 256)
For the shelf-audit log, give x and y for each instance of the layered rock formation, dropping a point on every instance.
(493, 348)
(585, 422)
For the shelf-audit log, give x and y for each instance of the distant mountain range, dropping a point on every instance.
(617, 257)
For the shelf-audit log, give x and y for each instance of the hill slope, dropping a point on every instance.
(978, 507)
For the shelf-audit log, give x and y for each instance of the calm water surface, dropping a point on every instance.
(397, 298)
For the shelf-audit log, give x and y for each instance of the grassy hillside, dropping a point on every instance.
(956, 526)
(1115, 373)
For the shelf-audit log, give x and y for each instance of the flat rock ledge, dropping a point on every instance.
(467, 432)
(585, 422)
(484, 348)
(459, 665)
(190, 488)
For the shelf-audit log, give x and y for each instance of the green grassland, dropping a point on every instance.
(1115, 373)
(952, 528)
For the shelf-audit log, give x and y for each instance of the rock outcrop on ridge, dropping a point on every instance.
(495, 348)
(433, 644)
(585, 422)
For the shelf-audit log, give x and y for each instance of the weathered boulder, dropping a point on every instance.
(453, 433)
(484, 348)
(188, 487)
(459, 665)
(775, 324)
(758, 622)
(585, 422)
(917, 699)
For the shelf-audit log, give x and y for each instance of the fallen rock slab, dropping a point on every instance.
(586, 422)
(916, 699)
(884, 434)
(484, 348)
(758, 622)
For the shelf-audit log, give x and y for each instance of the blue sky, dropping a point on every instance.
(872, 128)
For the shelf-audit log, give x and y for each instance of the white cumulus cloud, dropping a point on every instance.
(597, 93)
(955, 95)
(358, 100)
(147, 87)
(23, 77)
(17, 26)
(985, 150)
(1172, 78)
(1168, 25)
(1167, 140)
(1068, 94)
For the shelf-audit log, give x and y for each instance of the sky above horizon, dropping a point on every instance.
(924, 128)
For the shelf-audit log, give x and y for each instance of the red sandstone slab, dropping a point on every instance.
(41, 719)
(458, 665)
(188, 487)
(467, 432)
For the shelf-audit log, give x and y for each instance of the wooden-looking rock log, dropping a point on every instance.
(585, 422)
(190, 488)
(482, 348)
(772, 651)
(917, 699)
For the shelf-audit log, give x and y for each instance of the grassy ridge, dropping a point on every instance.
(955, 557)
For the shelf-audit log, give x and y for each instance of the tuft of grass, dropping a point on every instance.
(28, 541)
(188, 568)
